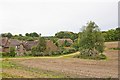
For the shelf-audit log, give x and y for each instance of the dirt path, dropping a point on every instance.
(74, 67)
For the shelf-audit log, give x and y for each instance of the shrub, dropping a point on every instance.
(102, 56)
(0, 54)
(66, 44)
(4, 54)
(115, 48)
(36, 54)
(28, 53)
(71, 50)
(56, 53)
(12, 52)
(83, 56)
(76, 46)
(30, 39)
(65, 51)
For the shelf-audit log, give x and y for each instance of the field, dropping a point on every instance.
(63, 66)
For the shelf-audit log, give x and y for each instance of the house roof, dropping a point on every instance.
(4, 42)
(61, 41)
(50, 46)
(29, 44)
(14, 42)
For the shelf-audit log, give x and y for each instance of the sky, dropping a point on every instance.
(51, 16)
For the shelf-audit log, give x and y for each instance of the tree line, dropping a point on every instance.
(110, 35)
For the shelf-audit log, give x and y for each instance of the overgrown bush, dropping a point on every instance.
(4, 54)
(99, 57)
(39, 50)
(12, 52)
(28, 53)
(66, 44)
(115, 48)
(0, 54)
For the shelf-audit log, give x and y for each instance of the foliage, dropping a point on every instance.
(66, 34)
(30, 39)
(92, 41)
(40, 48)
(34, 34)
(75, 44)
(115, 48)
(5, 54)
(98, 57)
(112, 35)
(9, 35)
(20, 35)
(12, 52)
(54, 40)
(53, 53)
(41, 45)
(66, 44)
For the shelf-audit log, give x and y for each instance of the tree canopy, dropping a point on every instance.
(66, 34)
(91, 40)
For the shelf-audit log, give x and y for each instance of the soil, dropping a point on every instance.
(74, 67)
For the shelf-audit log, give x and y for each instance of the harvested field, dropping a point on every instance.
(61, 67)
(111, 44)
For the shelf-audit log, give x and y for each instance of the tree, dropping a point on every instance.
(66, 44)
(66, 34)
(111, 35)
(12, 52)
(27, 34)
(20, 35)
(34, 34)
(9, 35)
(92, 41)
(40, 47)
(117, 32)
(3, 35)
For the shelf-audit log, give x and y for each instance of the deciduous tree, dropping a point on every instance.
(92, 41)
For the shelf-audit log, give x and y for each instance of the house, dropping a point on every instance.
(6, 43)
(18, 45)
(61, 41)
(29, 44)
(50, 46)
(22, 46)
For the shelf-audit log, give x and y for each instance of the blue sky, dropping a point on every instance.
(50, 16)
